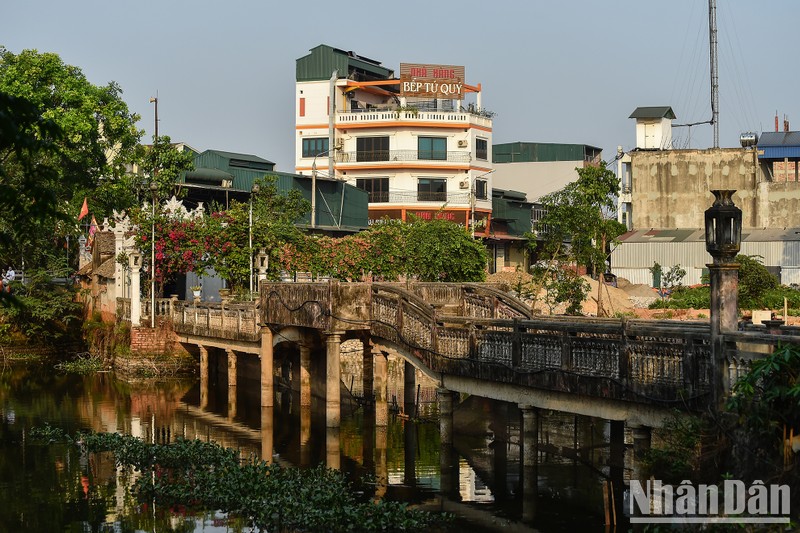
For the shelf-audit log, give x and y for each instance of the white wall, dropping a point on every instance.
(535, 178)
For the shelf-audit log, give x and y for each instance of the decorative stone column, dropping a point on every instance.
(135, 262)
(266, 356)
(723, 225)
(333, 381)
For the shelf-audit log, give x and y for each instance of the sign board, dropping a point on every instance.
(432, 81)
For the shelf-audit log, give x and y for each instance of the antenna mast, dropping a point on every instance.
(712, 35)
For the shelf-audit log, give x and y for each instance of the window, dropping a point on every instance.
(302, 107)
(314, 146)
(432, 148)
(431, 190)
(481, 149)
(378, 188)
(481, 189)
(372, 149)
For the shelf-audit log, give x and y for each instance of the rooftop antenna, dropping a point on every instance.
(712, 35)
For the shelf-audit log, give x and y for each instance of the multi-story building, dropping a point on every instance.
(419, 144)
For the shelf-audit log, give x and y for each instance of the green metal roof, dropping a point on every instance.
(513, 211)
(528, 152)
(324, 59)
(662, 111)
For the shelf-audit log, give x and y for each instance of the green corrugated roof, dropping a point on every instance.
(527, 152)
(324, 59)
(662, 111)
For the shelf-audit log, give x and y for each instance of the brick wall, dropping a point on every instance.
(158, 340)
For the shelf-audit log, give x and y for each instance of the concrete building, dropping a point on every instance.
(538, 169)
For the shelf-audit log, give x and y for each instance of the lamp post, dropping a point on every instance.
(472, 200)
(723, 225)
(153, 191)
(253, 192)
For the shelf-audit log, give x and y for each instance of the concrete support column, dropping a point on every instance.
(381, 391)
(231, 383)
(203, 377)
(305, 376)
(641, 444)
(333, 448)
(267, 433)
(266, 356)
(333, 381)
(445, 399)
(409, 389)
(530, 461)
(367, 375)
(724, 278)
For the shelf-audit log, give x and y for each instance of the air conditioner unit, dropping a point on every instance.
(339, 144)
(463, 184)
(463, 144)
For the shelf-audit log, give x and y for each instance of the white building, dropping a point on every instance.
(419, 144)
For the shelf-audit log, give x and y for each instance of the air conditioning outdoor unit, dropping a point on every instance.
(463, 184)
(462, 144)
(339, 143)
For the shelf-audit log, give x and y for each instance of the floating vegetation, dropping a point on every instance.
(84, 363)
(204, 476)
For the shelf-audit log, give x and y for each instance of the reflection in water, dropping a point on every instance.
(480, 477)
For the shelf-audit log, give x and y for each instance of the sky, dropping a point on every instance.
(568, 71)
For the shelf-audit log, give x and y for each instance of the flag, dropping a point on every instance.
(84, 209)
(92, 231)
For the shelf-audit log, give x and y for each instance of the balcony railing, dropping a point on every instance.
(391, 156)
(366, 116)
(398, 197)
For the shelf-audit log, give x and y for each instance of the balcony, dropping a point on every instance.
(413, 197)
(376, 116)
(392, 156)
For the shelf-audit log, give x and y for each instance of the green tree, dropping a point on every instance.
(163, 163)
(578, 224)
(754, 281)
(97, 139)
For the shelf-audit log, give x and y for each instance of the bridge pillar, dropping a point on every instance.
(267, 433)
(409, 389)
(367, 374)
(203, 377)
(231, 383)
(530, 461)
(641, 444)
(617, 464)
(445, 398)
(266, 355)
(305, 375)
(332, 448)
(381, 465)
(381, 391)
(305, 435)
(409, 453)
(448, 472)
(333, 381)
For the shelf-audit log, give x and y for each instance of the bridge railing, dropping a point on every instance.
(233, 321)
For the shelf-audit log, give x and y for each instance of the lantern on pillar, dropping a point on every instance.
(135, 261)
(723, 227)
(262, 262)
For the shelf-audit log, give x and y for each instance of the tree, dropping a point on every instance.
(164, 163)
(578, 224)
(96, 140)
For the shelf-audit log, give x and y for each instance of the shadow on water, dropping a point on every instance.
(480, 478)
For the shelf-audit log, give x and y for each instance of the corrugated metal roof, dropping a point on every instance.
(663, 111)
(324, 59)
(532, 152)
(698, 235)
(239, 156)
(779, 138)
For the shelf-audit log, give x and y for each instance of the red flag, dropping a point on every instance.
(84, 209)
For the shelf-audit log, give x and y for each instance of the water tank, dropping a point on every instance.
(748, 138)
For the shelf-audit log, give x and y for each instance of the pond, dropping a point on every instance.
(57, 488)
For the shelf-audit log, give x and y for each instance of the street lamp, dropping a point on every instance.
(153, 191)
(253, 192)
(472, 200)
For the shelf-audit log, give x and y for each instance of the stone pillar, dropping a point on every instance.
(381, 466)
(724, 278)
(305, 435)
(305, 375)
(203, 377)
(409, 389)
(367, 374)
(332, 448)
(445, 398)
(267, 433)
(266, 356)
(381, 390)
(641, 444)
(530, 461)
(448, 472)
(136, 289)
(333, 381)
(231, 384)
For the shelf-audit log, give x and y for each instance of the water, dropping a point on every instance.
(56, 488)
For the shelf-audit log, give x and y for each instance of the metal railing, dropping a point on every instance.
(461, 198)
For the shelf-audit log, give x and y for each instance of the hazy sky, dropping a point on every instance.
(556, 71)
